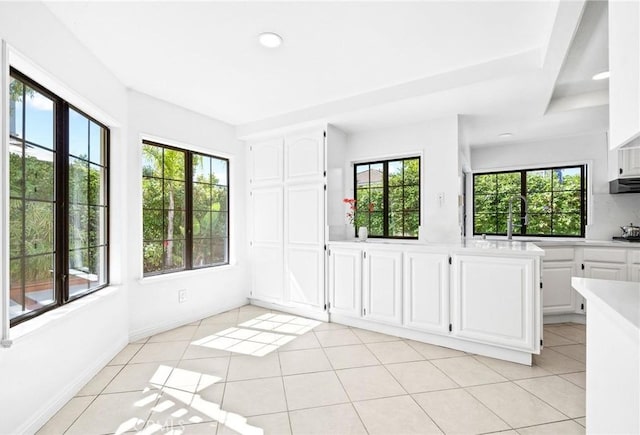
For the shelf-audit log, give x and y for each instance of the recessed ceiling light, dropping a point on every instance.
(601, 76)
(270, 39)
(505, 135)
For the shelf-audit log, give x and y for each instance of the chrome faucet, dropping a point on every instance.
(510, 218)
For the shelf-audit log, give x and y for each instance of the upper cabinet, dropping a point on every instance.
(266, 162)
(629, 162)
(624, 65)
(304, 157)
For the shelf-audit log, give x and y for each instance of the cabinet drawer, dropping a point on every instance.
(605, 255)
(635, 256)
(557, 254)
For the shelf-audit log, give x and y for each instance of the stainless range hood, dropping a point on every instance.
(625, 185)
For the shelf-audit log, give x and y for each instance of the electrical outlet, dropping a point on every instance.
(182, 296)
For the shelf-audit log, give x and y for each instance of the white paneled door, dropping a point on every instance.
(304, 244)
(426, 291)
(559, 297)
(382, 285)
(345, 281)
(266, 161)
(304, 157)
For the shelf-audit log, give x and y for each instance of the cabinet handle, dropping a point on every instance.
(582, 266)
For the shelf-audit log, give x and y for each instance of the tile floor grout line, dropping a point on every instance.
(544, 401)
(284, 391)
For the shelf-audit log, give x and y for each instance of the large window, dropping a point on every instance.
(58, 166)
(185, 209)
(555, 197)
(387, 195)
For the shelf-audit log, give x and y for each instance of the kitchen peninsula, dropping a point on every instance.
(477, 296)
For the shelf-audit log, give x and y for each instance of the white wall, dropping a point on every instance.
(54, 355)
(436, 142)
(606, 212)
(153, 301)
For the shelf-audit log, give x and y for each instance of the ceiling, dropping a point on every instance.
(359, 65)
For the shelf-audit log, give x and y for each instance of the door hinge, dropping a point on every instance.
(325, 247)
(582, 266)
(325, 307)
(582, 307)
(324, 174)
(364, 253)
(450, 327)
(364, 311)
(450, 260)
(325, 187)
(324, 134)
(541, 342)
(540, 284)
(620, 171)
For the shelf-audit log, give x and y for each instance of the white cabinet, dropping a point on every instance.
(287, 220)
(345, 281)
(266, 162)
(558, 297)
(382, 283)
(304, 244)
(634, 271)
(426, 291)
(611, 271)
(494, 301)
(267, 243)
(629, 162)
(624, 65)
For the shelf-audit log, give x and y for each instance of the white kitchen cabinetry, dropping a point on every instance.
(287, 218)
(345, 281)
(630, 162)
(382, 283)
(624, 65)
(494, 301)
(610, 271)
(634, 266)
(558, 296)
(426, 291)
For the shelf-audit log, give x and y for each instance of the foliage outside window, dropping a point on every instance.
(58, 178)
(185, 209)
(556, 201)
(387, 195)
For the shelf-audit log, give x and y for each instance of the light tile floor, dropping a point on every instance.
(250, 370)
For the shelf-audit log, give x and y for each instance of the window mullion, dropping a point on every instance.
(188, 197)
(385, 198)
(62, 202)
(523, 192)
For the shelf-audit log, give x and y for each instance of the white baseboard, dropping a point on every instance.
(43, 415)
(550, 319)
(311, 313)
(185, 320)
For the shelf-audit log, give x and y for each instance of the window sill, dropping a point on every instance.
(31, 326)
(185, 274)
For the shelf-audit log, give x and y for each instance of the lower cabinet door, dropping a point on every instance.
(383, 286)
(426, 291)
(557, 294)
(635, 272)
(611, 271)
(345, 281)
(494, 300)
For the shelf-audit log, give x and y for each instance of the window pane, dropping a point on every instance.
(201, 168)
(396, 224)
(39, 227)
(362, 175)
(485, 223)
(78, 135)
(376, 226)
(219, 172)
(151, 161)
(411, 223)
(567, 224)
(152, 193)
(566, 201)
(78, 181)
(174, 197)
(220, 199)
(485, 184)
(174, 164)
(15, 168)
(539, 203)
(485, 203)
(509, 183)
(16, 293)
(219, 224)
(412, 171)
(362, 199)
(96, 143)
(174, 254)
(174, 224)
(153, 257)
(152, 226)
(220, 252)
(566, 178)
(97, 266)
(539, 181)
(97, 185)
(16, 98)
(15, 227)
(376, 175)
(396, 198)
(40, 173)
(539, 223)
(395, 173)
(202, 252)
(39, 119)
(201, 196)
(78, 227)
(503, 201)
(412, 198)
(39, 274)
(78, 271)
(201, 224)
(97, 226)
(376, 197)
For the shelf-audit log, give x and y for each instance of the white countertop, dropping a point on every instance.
(571, 242)
(512, 247)
(622, 297)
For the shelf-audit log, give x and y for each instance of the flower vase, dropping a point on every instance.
(363, 233)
